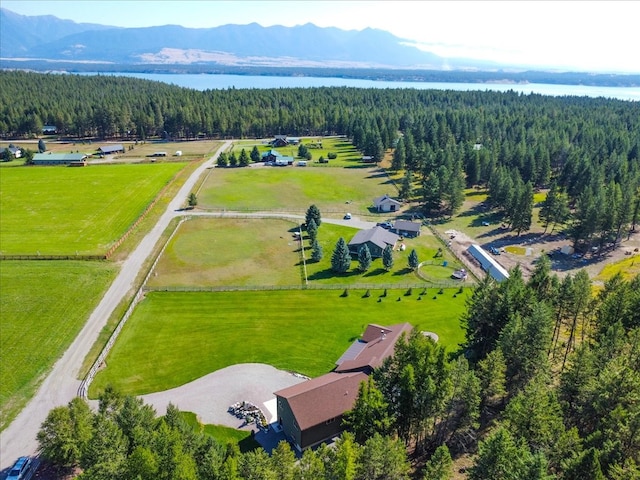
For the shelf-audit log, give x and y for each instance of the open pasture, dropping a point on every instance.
(68, 211)
(223, 251)
(335, 191)
(44, 306)
(189, 150)
(175, 338)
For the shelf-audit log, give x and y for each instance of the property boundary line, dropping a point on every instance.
(86, 382)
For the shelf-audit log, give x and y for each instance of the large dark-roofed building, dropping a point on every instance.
(376, 239)
(311, 412)
(109, 149)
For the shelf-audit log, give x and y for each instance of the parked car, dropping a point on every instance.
(347, 216)
(485, 224)
(20, 469)
(495, 251)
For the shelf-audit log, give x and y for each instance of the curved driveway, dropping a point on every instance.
(62, 384)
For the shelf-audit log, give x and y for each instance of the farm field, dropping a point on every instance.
(335, 191)
(133, 151)
(44, 306)
(174, 338)
(223, 252)
(68, 211)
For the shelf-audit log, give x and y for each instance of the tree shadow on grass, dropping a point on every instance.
(328, 273)
(404, 271)
(375, 273)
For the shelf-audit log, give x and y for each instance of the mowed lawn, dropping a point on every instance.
(174, 338)
(44, 305)
(230, 252)
(68, 211)
(335, 191)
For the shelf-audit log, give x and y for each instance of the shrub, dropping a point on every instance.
(367, 294)
(345, 293)
(440, 292)
(332, 155)
(409, 292)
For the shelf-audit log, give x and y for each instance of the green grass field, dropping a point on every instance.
(64, 211)
(224, 252)
(334, 191)
(44, 305)
(175, 338)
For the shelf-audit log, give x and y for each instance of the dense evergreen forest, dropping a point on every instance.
(585, 150)
(547, 383)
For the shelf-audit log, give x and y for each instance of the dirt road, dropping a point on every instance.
(62, 384)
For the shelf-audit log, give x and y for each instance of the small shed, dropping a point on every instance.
(386, 204)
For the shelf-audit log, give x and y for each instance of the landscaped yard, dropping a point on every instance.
(335, 191)
(44, 306)
(174, 338)
(346, 154)
(224, 252)
(68, 211)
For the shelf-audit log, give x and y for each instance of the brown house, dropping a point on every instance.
(311, 412)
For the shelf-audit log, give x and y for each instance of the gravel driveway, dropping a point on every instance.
(210, 396)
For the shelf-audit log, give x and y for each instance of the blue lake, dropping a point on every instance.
(219, 82)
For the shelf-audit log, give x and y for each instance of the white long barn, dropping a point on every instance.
(488, 263)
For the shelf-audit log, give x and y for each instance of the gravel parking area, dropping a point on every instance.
(209, 397)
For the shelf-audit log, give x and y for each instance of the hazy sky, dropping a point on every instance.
(582, 35)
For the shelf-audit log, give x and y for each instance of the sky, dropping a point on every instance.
(597, 36)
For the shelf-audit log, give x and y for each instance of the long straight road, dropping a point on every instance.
(62, 384)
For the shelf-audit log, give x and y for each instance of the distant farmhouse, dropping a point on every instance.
(376, 239)
(49, 130)
(386, 204)
(14, 152)
(311, 412)
(283, 141)
(406, 228)
(111, 149)
(488, 263)
(276, 158)
(75, 159)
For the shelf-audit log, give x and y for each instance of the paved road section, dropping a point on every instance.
(62, 384)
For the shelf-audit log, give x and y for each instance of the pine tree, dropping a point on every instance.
(399, 157)
(312, 230)
(243, 161)
(255, 154)
(313, 213)
(387, 258)
(364, 258)
(413, 259)
(341, 258)
(316, 251)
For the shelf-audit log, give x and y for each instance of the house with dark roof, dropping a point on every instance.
(283, 141)
(386, 204)
(376, 239)
(311, 412)
(111, 149)
(406, 228)
(14, 152)
(49, 130)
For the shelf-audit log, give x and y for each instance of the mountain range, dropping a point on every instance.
(52, 39)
